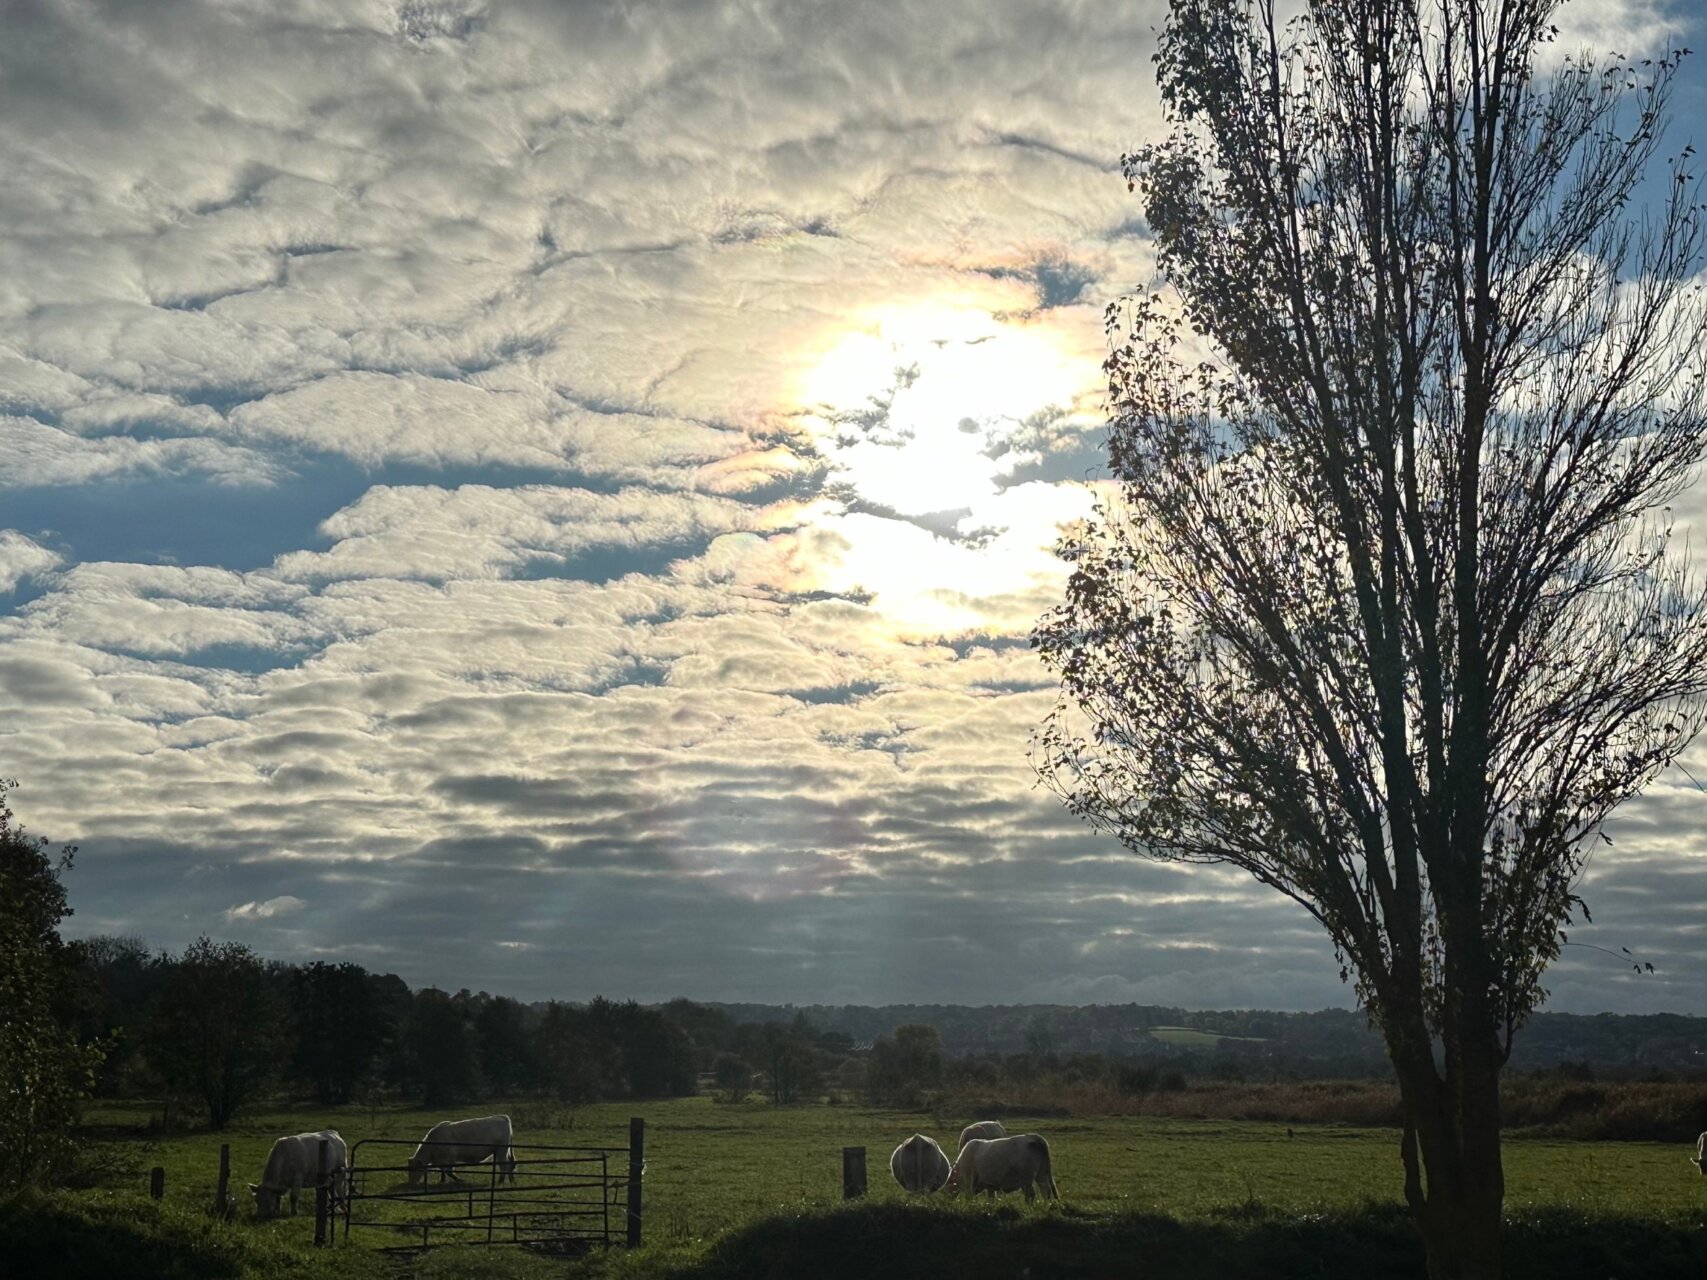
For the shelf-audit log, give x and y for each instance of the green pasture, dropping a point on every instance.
(753, 1189)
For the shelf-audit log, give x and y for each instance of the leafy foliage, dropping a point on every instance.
(218, 1031)
(336, 1026)
(46, 1070)
(905, 1068)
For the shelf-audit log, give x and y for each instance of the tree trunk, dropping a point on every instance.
(1454, 1179)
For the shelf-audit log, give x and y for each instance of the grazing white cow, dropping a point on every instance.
(919, 1164)
(1700, 1161)
(452, 1142)
(982, 1129)
(294, 1163)
(1003, 1164)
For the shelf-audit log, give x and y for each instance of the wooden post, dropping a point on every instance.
(853, 1172)
(222, 1197)
(157, 1182)
(322, 1191)
(636, 1170)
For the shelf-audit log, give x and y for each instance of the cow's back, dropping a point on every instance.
(983, 1129)
(481, 1131)
(284, 1160)
(300, 1153)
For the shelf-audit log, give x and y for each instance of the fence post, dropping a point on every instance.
(321, 1192)
(853, 1172)
(636, 1169)
(222, 1197)
(157, 1182)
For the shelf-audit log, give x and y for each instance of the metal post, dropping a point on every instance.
(853, 1172)
(222, 1197)
(492, 1198)
(349, 1192)
(157, 1182)
(321, 1192)
(636, 1168)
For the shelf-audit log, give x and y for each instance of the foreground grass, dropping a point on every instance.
(754, 1190)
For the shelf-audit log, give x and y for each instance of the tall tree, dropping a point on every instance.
(336, 1026)
(1383, 607)
(506, 1050)
(571, 1062)
(126, 975)
(217, 1032)
(656, 1055)
(443, 1052)
(46, 1070)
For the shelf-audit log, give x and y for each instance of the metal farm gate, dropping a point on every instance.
(560, 1200)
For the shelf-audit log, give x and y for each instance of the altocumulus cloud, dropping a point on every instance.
(524, 478)
(281, 905)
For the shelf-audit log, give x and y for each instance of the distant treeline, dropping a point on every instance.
(217, 1026)
(1335, 1043)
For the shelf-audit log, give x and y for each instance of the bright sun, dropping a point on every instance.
(919, 410)
(928, 412)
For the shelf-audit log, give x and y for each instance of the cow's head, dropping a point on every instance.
(418, 1171)
(952, 1186)
(266, 1200)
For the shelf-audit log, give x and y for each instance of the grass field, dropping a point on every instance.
(753, 1189)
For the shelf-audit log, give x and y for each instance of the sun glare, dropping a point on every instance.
(925, 414)
(922, 410)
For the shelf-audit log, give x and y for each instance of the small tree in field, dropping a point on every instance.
(903, 1069)
(1384, 609)
(733, 1075)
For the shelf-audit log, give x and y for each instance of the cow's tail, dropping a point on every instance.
(1046, 1173)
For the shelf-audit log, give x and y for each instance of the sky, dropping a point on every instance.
(551, 498)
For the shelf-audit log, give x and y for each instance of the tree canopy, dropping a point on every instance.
(46, 1071)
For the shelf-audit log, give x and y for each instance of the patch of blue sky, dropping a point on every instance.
(202, 521)
(609, 563)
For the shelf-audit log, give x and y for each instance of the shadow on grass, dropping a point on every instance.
(1249, 1242)
(109, 1238)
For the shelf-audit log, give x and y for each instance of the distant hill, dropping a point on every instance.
(1337, 1041)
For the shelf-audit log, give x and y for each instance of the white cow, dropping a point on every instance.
(1700, 1161)
(919, 1164)
(1003, 1164)
(982, 1129)
(452, 1142)
(294, 1163)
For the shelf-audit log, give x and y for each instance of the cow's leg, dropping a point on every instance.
(1030, 1192)
(295, 1189)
